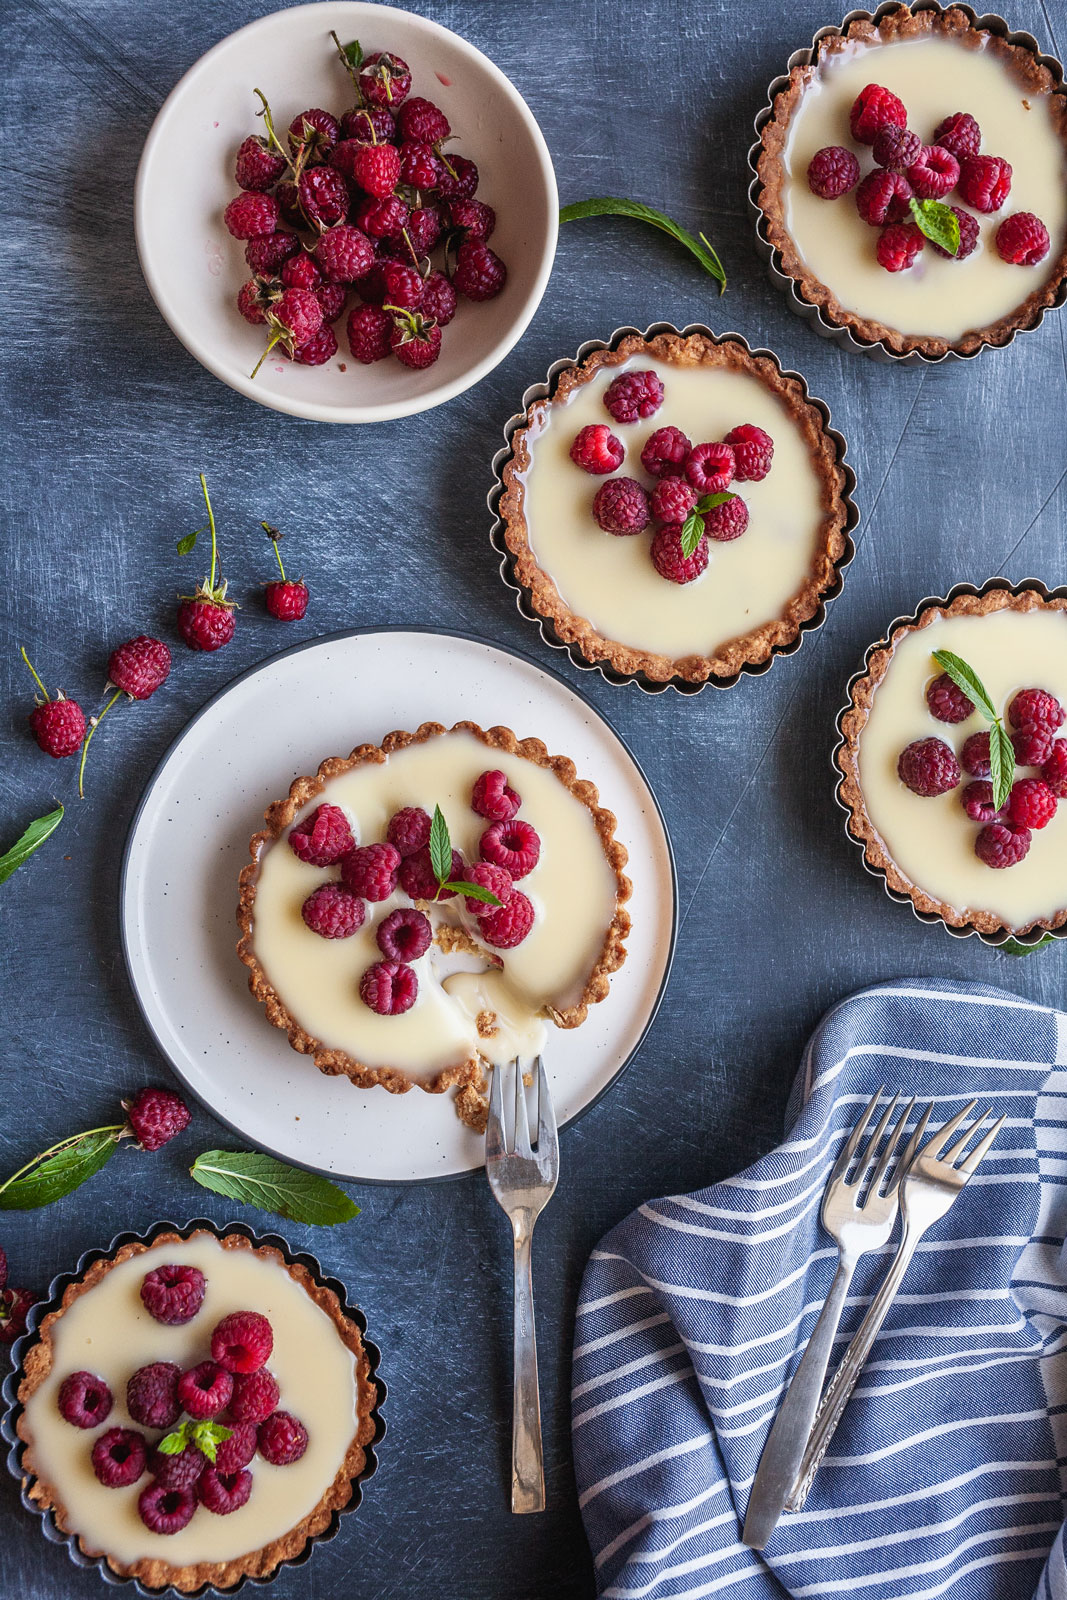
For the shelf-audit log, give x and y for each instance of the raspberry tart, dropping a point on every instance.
(895, 124)
(418, 911)
(981, 849)
(196, 1409)
(675, 508)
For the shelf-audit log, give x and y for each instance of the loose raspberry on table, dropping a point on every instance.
(1022, 239)
(673, 499)
(960, 134)
(832, 172)
(371, 870)
(173, 1293)
(506, 926)
(315, 130)
(872, 108)
(620, 506)
(419, 167)
(177, 1472)
(934, 173)
(322, 837)
(968, 235)
(344, 253)
(633, 395)
(666, 452)
(301, 272)
(421, 122)
(726, 521)
(1001, 845)
(947, 701)
(415, 341)
(286, 600)
(368, 331)
(333, 912)
(710, 467)
(514, 845)
(472, 219)
(205, 1390)
(389, 988)
(493, 798)
(269, 254)
(14, 1308)
(974, 757)
(156, 1116)
(204, 624)
(898, 246)
(417, 877)
(438, 299)
(458, 178)
(84, 1400)
(139, 666)
(1031, 803)
(164, 1510)
(258, 166)
(977, 800)
(369, 124)
(317, 350)
(251, 216)
(985, 182)
(896, 147)
(1032, 743)
(58, 727)
(928, 767)
(332, 298)
(119, 1457)
(498, 881)
(223, 1492)
(385, 79)
(1054, 770)
(282, 1438)
(323, 195)
(883, 197)
(255, 1396)
(479, 273)
(384, 219)
(1035, 705)
(667, 557)
(404, 935)
(409, 829)
(376, 168)
(597, 450)
(753, 450)
(152, 1395)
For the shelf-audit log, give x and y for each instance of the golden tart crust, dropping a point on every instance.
(953, 25)
(156, 1574)
(751, 649)
(468, 1076)
(846, 756)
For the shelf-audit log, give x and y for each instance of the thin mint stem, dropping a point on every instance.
(36, 679)
(85, 747)
(112, 1127)
(211, 520)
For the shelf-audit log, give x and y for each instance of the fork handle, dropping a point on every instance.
(784, 1450)
(527, 1460)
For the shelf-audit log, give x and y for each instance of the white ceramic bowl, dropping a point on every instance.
(194, 268)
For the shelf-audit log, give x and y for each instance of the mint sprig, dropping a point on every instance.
(441, 863)
(1001, 749)
(259, 1180)
(938, 222)
(205, 1436)
(34, 837)
(61, 1169)
(614, 206)
(693, 526)
(1015, 947)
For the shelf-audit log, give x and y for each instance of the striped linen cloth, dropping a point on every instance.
(946, 1475)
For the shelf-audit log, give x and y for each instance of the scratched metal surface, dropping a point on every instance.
(107, 421)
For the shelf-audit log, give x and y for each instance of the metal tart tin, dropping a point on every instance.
(814, 314)
(541, 391)
(12, 1406)
(1036, 936)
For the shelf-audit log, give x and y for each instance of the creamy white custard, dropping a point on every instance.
(108, 1332)
(936, 297)
(572, 888)
(932, 840)
(611, 580)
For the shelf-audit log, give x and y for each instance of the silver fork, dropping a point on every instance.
(931, 1184)
(523, 1180)
(857, 1223)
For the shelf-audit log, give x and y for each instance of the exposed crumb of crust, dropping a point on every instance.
(903, 23)
(157, 1574)
(486, 1024)
(453, 940)
(846, 756)
(692, 350)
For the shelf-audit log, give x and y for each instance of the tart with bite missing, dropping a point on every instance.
(418, 911)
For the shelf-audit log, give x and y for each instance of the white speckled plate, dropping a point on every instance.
(190, 836)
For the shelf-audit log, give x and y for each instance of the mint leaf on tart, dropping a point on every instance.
(938, 222)
(441, 862)
(60, 1170)
(205, 1436)
(693, 526)
(475, 890)
(1001, 749)
(259, 1180)
(614, 206)
(967, 681)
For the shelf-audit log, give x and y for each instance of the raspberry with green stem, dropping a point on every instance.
(287, 600)
(201, 616)
(58, 724)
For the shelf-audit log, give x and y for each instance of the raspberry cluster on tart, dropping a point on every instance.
(394, 976)
(670, 426)
(947, 111)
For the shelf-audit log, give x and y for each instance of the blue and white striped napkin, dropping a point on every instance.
(946, 1476)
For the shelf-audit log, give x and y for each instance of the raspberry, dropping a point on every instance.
(438, 299)
(331, 297)
(205, 624)
(420, 122)
(473, 219)
(269, 254)
(58, 726)
(974, 757)
(479, 272)
(514, 845)
(301, 272)
(1022, 239)
(896, 147)
(753, 452)
(333, 912)
(164, 1510)
(369, 123)
(253, 301)
(898, 246)
(119, 1457)
(947, 702)
(985, 182)
(934, 173)
(1000, 845)
(343, 157)
(205, 1390)
(323, 837)
(493, 798)
(968, 235)
(1031, 803)
(289, 205)
(399, 285)
(871, 109)
(389, 988)
(673, 499)
(317, 350)
(173, 1294)
(667, 557)
(84, 1400)
(1032, 744)
(832, 172)
(14, 1307)
(1054, 770)
(959, 134)
(418, 880)
(151, 1395)
(883, 197)
(344, 253)
(376, 168)
(415, 341)
(666, 452)
(404, 935)
(727, 521)
(323, 195)
(384, 219)
(620, 506)
(282, 1438)
(458, 178)
(597, 450)
(423, 231)
(496, 879)
(251, 216)
(223, 1492)
(316, 130)
(977, 800)
(1035, 705)
(633, 395)
(285, 600)
(255, 1395)
(710, 468)
(156, 1116)
(507, 926)
(928, 767)
(385, 79)
(409, 830)
(177, 1472)
(371, 870)
(139, 666)
(242, 1341)
(3, 1266)
(258, 166)
(298, 314)
(368, 331)
(419, 166)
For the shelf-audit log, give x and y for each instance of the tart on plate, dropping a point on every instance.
(394, 973)
(676, 509)
(919, 108)
(918, 779)
(196, 1410)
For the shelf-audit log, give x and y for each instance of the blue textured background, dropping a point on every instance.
(106, 423)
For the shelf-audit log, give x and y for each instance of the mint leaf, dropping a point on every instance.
(36, 834)
(59, 1171)
(938, 222)
(172, 1444)
(188, 543)
(440, 846)
(1014, 947)
(475, 890)
(967, 680)
(255, 1179)
(1001, 762)
(693, 526)
(353, 54)
(207, 1436)
(613, 206)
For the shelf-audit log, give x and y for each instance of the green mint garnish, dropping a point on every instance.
(938, 222)
(441, 862)
(613, 206)
(258, 1180)
(60, 1170)
(1001, 750)
(693, 526)
(205, 1436)
(1015, 947)
(33, 838)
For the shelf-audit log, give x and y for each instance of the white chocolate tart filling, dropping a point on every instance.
(931, 840)
(937, 297)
